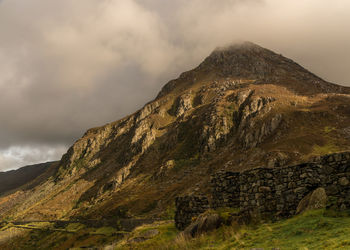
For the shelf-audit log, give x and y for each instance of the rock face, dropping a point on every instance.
(183, 104)
(314, 200)
(244, 106)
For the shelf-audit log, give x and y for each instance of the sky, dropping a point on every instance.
(66, 66)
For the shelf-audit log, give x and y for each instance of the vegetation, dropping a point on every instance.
(74, 227)
(179, 164)
(311, 230)
(328, 129)
(108, 231)
(325, 149)
(43, 235)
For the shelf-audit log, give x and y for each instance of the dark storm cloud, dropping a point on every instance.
(68, 65)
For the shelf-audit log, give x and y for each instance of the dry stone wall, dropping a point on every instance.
(225, 189)
(277, 191)
(189, 207)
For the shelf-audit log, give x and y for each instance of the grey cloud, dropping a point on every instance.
(19, 156)
(66, 66)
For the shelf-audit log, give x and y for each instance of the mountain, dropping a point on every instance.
(14, 179)
(244, 106)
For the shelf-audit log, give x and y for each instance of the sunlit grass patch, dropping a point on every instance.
(325, 149)
(108, 231)
(74, 227)
(167, 233)
(328, 129)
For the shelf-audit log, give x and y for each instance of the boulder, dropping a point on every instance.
(314, 200)
(205, 222)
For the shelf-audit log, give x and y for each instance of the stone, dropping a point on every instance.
(304, 175)
(271, 191)
(343, 181)
(300, 190)
(268, 175)
(184, 103)
(332, 189)
(314, 200)
(264, 189)
(188, 207)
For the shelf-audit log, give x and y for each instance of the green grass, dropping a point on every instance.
(325, 149)
(74, 227)
(166, 236)
(226, 212)
(108, 231)
(311, 230)
(169, 213)
(328, 129)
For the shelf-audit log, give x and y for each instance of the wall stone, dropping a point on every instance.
(188, 207)
(272, 191)
(278, 191)
(225, 190)
(257, 191)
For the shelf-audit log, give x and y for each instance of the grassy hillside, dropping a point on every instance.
(311, 230)
(318, 229)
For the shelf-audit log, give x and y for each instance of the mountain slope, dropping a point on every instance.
(243, 106)
(13, 179)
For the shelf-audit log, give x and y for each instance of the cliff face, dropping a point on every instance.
(242, 107)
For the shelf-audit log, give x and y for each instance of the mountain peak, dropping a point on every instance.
(249, 60)
(242, 46)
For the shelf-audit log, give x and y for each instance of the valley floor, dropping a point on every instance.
(312, 230)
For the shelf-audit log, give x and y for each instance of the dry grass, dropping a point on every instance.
(311, 230)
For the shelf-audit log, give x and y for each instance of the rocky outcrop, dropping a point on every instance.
(243, 123)
(252, 135)
(183, 103)
(251, 131)
(215, 130)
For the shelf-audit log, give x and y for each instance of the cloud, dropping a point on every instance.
(66, 66)
(15, 157)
